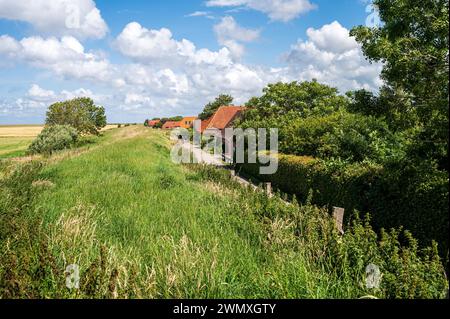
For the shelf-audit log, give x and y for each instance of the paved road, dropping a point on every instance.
(202, 156)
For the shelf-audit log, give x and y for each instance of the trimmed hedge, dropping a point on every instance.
(414, 196)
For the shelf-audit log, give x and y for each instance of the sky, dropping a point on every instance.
(145, 59)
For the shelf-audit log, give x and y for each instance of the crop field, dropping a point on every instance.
(15, 139)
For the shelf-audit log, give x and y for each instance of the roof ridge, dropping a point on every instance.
(212, 117)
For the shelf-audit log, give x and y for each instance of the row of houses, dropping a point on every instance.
(220, 120)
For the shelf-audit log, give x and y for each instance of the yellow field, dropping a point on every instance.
(20, 130)
(15, 139)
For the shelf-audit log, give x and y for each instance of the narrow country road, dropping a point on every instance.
(202, 156)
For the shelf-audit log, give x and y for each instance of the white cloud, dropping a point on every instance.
(205, 14)
(159, 47)
(333, 37)
(79, 18)
(229, 33)
(37, 99)
(277, 10)
(65, 57)
(331, 56)
(167, 76)
(37, 93)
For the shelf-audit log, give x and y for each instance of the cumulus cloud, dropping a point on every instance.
(159, 47)
(331, 56)
(79, 18)
(65, 57)
(39, 94)
(230, 34)
(277, 10)
(37, 99)
(167, 76)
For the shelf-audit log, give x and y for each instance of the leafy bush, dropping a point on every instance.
(54, 138)
(415, 196)
(352, 137)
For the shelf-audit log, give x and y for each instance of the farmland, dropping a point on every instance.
(139, 226)
(15, 139)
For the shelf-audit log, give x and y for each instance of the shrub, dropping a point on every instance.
(352, 137)
(413, 196)
(54, 138)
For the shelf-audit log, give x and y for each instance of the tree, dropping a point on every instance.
(413, 44)
(80, 113)
(176, 118)
(303, 99)
(391, 105)
(211, 107)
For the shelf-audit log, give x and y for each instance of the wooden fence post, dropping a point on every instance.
(268, 188)
(338, 215)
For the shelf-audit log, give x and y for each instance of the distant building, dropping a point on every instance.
(188, 122)
(170, 125)
(153, 123)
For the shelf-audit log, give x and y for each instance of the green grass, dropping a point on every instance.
(14, 146)
(140, 226)
(148, 213)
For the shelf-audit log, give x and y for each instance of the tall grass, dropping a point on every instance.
(139, 226)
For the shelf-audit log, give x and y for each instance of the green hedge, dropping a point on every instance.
(401, 194)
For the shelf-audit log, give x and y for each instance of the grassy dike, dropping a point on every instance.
(139, 226)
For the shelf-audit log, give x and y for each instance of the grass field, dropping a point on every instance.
(15, 139)
(139, 226)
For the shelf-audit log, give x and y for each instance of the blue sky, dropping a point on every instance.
(158, 58)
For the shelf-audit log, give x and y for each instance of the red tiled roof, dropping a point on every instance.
(153, 122)
(224, 116)
(205, 124)
(170, 124)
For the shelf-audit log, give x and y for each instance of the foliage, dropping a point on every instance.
(341, 135)
(80, 113)
(54, 138)
(413, 44)
(415, 197)
(320, 126)
(302, 99)
(211, 107)
(390, 105)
